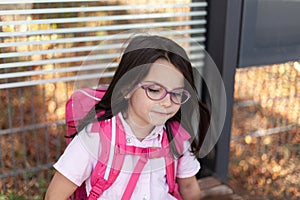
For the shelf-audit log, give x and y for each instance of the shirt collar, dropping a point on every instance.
(157, 132)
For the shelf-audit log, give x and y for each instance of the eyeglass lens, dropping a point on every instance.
(157, 92)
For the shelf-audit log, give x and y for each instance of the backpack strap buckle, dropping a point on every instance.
(95, 192)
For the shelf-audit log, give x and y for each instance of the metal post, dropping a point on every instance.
(224, 17)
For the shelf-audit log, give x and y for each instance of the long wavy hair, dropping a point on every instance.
(142, 51)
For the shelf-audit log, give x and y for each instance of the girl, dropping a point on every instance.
(152, 89)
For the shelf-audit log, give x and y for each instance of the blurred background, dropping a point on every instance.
(43, 49)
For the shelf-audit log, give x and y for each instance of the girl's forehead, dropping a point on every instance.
(166, 74)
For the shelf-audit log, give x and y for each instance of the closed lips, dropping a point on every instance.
(162, 113)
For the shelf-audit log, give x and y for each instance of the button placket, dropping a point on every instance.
(146, 177)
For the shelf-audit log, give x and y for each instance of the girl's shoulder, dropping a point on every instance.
(95, 135)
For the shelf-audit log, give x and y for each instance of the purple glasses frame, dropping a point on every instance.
(171, 92)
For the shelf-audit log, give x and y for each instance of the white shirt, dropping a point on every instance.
(80, 157)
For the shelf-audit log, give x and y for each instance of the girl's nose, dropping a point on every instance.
(166, 101)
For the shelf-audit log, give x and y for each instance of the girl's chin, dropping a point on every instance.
(158, 119)
(158, 123)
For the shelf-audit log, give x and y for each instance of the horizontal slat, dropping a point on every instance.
(105, 28)
(191, 40)
(104, 18)
(57, 70)
(77, 49)
(58, 60)
(196, 48)
(196, 57)
(198, 64)
(99, 8)
(97, 38)
(61, 50)
(54, 80)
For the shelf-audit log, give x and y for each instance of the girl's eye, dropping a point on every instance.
(177, 94)
(154, 90)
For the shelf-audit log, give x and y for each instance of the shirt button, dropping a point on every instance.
(145, 197)
(128, 140)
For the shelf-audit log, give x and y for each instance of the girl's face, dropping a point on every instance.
(144, 112)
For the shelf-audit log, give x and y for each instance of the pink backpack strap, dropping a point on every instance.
(113, 153)
(145, 154)
(170, 169)
(171, 179)
(134, 178)
(110, 161)
(180, 135)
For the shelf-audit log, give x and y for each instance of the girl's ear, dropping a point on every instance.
(128, 90)
(128, 95)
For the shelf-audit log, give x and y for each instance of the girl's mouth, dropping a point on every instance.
(161, 113)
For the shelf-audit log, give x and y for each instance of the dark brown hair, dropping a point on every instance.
(144, 51)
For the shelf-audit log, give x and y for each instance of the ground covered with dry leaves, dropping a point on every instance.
(265, 146)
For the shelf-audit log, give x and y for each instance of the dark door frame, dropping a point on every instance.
(223, 35)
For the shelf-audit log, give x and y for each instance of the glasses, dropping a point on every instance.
(156, 92)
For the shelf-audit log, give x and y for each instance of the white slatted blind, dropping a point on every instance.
(44, 42)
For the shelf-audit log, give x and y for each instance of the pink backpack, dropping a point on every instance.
(111, 159)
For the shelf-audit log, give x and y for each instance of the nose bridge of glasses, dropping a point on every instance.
(167, 98)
